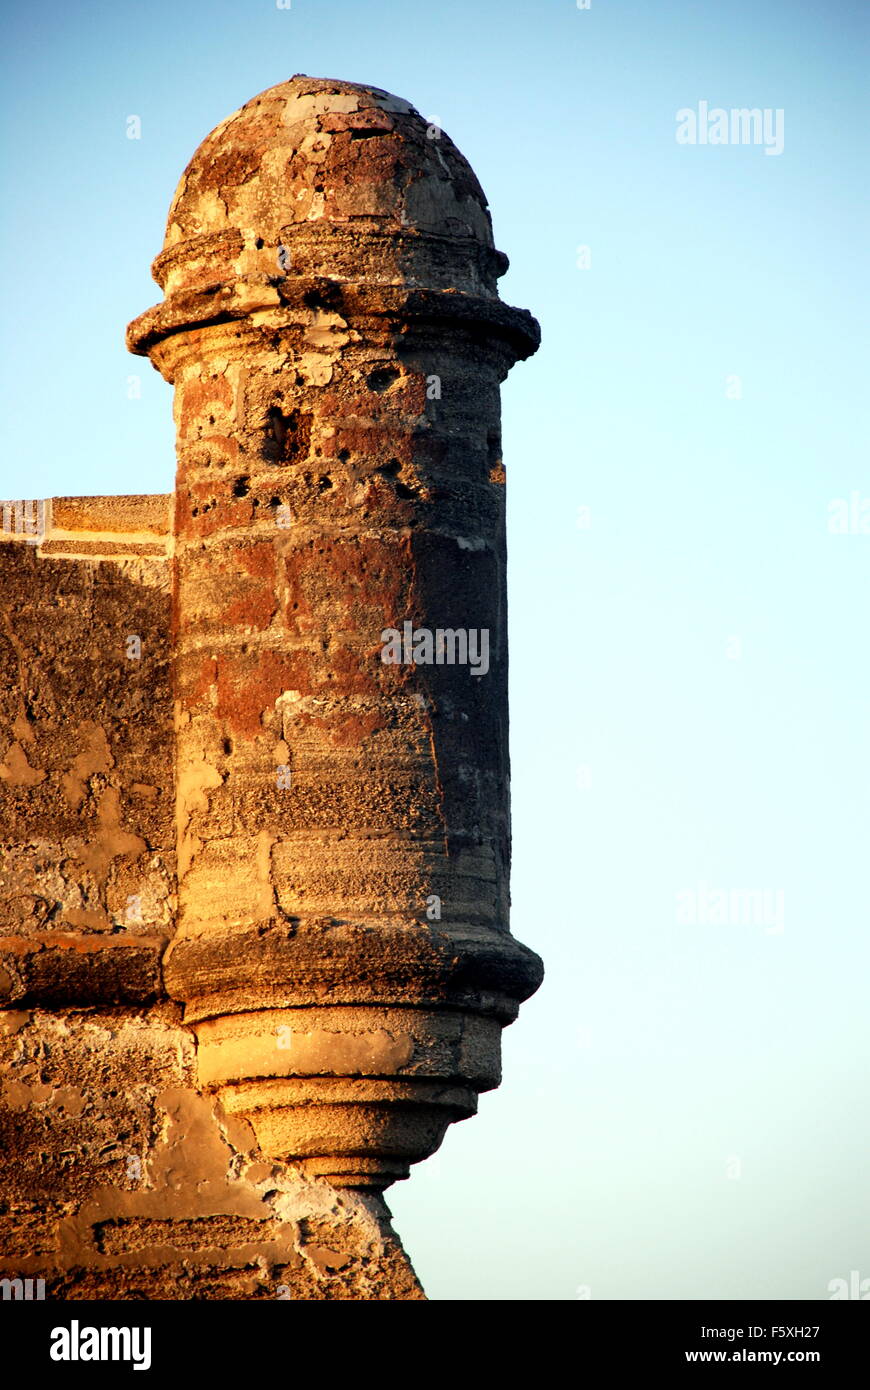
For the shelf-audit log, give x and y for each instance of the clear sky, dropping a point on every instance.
(684, 1111)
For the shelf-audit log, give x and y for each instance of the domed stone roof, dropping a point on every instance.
(323, 187)
(312, 148)
(347, 180)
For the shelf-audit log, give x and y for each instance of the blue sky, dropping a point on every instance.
(682, 1113)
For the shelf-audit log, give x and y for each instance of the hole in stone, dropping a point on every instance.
(278, 424)
(324, 483)
(291, 433)
(327, 297)
(403, 491)
(391, 469)
(259, 243)
(228, 746)
(240, 487)
(344, 455)
(367, 134)
(381, 378)
(274, 501)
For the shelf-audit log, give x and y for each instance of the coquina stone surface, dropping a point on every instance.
(255, 954)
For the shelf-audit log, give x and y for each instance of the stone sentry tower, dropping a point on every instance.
(339, 947)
